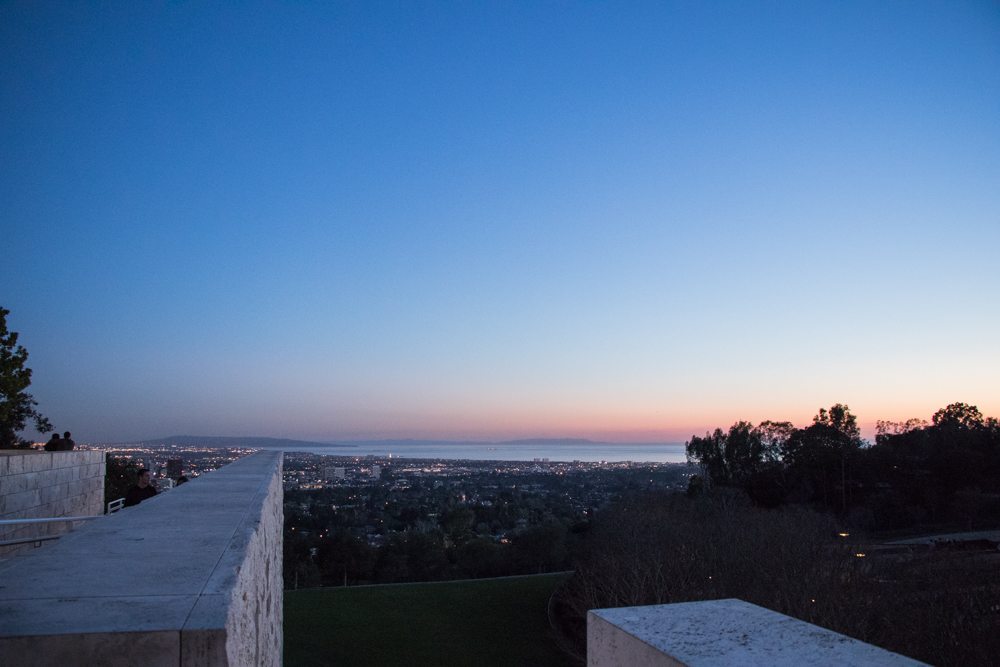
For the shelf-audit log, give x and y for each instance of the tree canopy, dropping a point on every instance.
(17, 406)
(917, 473)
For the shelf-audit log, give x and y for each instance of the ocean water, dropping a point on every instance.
(670, 452)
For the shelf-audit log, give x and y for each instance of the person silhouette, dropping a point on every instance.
(140, 491)
(67, 442)
(54, 444)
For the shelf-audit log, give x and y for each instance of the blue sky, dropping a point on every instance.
(628, 221)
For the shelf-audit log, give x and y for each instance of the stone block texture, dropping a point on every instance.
(189, 577)
(718, 633)
(35, 484)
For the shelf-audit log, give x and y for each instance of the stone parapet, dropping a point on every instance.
(36, 484)
(717, 633)
(189, 577)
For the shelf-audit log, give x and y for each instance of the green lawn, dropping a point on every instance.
(478, 622)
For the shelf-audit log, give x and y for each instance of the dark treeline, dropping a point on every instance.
(915, 474)
(432, 554)
(792, 519)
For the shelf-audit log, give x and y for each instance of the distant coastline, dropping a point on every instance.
(284, 443)
(554, 451)
(407, 442)
(221, 442)
(527, 449)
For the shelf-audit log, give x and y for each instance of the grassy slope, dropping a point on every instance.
(484, 622)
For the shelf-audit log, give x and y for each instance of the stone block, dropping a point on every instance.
(27, 464)
(50, 495)
(66, 460)
(12, 484)
(15, 464)
(15, 502)
(30, 480)
(94, 504)
(36, 462)
(64, 475)
(203, 638)
(68, 491)
(65, 506)
(721, 632)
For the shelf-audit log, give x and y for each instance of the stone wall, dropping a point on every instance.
(189, 577)
(721, 632)
(609, 645)
(36, 484)
(255, 630)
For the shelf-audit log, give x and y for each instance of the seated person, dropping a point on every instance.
(144, 489)
(54, 444)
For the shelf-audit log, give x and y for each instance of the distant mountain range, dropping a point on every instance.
(486, 443)
(550, 441)
(233, 441)
(278, 443)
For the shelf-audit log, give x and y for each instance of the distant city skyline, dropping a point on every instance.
(499, 220)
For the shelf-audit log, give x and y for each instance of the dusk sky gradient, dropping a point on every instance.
(623, 221)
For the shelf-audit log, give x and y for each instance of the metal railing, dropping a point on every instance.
(39, 538)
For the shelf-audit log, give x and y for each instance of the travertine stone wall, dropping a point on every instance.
(189, 577)
(239, 617)
(254, 620)
(721, 632)
(611, 646)
(36, 484)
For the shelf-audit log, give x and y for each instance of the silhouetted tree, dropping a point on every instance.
(941, 470)
(709, 453)
(734, 457)
(17, 406)
(728, 457)
(457, 523)
(482, 557)
(344, 559)
(886, 429)
(773, 436)
(959, 415)
(839, 417)
(412, 555)
(541, 548)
